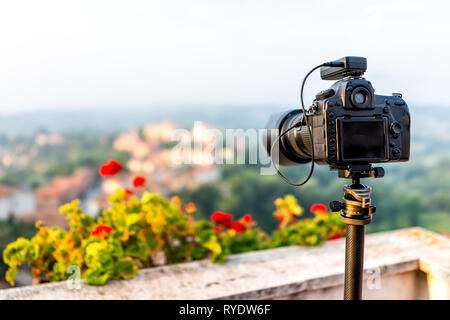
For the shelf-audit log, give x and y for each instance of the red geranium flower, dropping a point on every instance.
(128, 191)
(237, 226)
(247, 218)
(217, 229)
(190, 207)
(335, 236)
(111, 168)
(222, 218)
(101, 231)
(318, 208)
(139, 181)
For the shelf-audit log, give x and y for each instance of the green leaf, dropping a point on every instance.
(115, 248)
(132, 219)
(199, 252)
(20, 251)
(137, 249)
(96, 277)
(11, 274)
(59, 272)
(98, 256)
(153, 241)
(219, 258)
(125, 268)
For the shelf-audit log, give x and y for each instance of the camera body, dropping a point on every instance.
(350, 124)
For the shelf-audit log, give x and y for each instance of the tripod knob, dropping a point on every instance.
(378, 172)
(336, 206)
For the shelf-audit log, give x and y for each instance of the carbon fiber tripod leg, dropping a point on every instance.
(356, 211)
(354, 261)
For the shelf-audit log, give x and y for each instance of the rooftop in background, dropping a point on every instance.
(63, 189)
(6, 191)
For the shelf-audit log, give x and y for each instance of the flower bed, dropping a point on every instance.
(141, 230)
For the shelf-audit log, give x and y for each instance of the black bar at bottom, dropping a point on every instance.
(354, 260)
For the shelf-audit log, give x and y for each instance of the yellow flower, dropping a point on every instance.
(126, 235)
(156, 220)
(39, 224)
(176, 201)
(287, 209)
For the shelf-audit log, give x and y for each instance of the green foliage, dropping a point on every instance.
(134, 231)
(123, 238)
(312, 232)
(246, 241)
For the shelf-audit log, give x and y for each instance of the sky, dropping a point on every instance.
(69, 55)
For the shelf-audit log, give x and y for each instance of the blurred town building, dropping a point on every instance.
(14, 201)
(151, 154)
(60, 190)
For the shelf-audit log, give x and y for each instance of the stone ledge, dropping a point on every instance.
(269, 274)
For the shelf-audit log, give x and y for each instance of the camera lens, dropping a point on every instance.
(361, 98)
(295, 146)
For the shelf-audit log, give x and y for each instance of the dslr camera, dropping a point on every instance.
(349, 125)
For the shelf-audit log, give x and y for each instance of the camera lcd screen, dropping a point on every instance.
(362, 139)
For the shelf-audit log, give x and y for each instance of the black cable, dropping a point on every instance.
(309, 131)
(273, 163)
(326, 64)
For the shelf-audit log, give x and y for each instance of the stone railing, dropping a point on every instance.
(405, 264)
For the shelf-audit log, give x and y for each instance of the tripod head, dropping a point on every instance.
(356, 206)
(358, 171)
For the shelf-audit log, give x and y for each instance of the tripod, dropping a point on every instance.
(356, 211)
